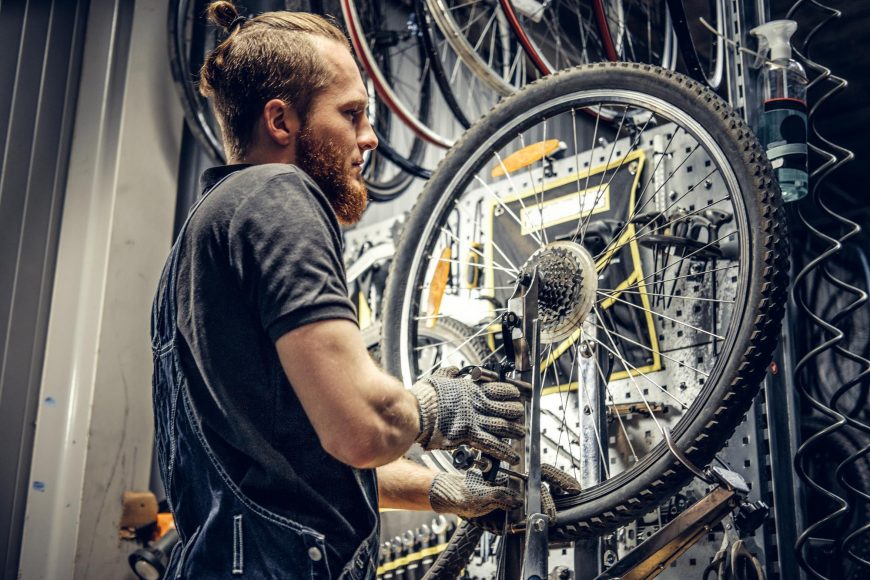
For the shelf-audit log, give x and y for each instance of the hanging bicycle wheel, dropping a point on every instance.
(703, 50)
(466, 95)
(660, 240)
(401, 100)
(189, 38)
(561, 34)
(395, 49)
(640, 31)
(479, 33)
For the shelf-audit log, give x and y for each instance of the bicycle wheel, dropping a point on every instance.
(703, 51)
(188, 37)
(466, 95)
(480, 35)
(660, 238)
(394, 46)
(642, 31)
(561, 34)
(401, 100)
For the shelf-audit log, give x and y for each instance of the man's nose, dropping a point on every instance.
(367, 140)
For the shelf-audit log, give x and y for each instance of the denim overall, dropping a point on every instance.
(223, 532)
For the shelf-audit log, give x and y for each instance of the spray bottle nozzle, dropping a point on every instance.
(774, 36)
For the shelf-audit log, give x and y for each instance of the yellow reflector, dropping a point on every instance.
(437, 286)
(525, 157)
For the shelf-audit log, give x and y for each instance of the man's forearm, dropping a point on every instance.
(404, 484)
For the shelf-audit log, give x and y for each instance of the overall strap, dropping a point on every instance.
(166, 304)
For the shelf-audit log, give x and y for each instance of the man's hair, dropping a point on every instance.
(270, 56)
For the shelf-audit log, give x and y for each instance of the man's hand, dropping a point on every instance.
(471, 496)
(557, 483)
(456, 411)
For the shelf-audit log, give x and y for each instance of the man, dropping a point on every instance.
(270, 415)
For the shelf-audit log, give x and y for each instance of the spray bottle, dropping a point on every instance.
(783, 129)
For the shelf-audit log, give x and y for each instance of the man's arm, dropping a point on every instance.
(362, 416)
(405, 485)
(365, 418)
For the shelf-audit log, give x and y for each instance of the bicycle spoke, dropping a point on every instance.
(686, 257)
(518, 194)
(615, 352)
(660, 353)
(606, 382)
(668, 318)
(601, 190)
(456, 349)
(462, 5)
(652, 197)
(607, 293)
(584, 221)
(483, 32)
(684, 277)
(564, 406)
(504, 206)
(440, 316)
(490, 355)
(512, 267)
(540, 201)
(626, 365)
(673, 220)
(589, 172)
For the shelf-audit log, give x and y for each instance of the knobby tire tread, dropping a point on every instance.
(456, 555)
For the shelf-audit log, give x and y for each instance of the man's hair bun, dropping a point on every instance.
(222, 14)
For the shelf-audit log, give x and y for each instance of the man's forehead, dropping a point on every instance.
(347, 81)
(336, 54)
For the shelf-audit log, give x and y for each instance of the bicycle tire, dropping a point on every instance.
(755, 319)
(394, 165)
(688, 49)
(609, 41)
(438, 71)
(192, 105)
(454, 558)
(381, 83)
(604, 50)
(513, 70)
(447, 329)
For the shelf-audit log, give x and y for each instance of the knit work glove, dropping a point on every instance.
(471, 496)
(456, 411)
(557, 482)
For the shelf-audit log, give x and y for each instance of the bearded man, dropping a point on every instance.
(277, 436)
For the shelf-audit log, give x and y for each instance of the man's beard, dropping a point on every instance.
(326, 164)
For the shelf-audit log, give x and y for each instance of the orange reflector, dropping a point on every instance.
(525, 157)
(437, 286)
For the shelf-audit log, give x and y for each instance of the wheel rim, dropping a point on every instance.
(397, 104)
(413, 299)
(479, 33)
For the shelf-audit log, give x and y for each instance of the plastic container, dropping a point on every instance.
(783, 130)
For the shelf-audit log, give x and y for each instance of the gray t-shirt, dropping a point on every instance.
(262, 256)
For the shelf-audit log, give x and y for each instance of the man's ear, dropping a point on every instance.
(281, 122)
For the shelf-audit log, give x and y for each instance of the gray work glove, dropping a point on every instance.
(456, 411)
(557, 483)
(472, 496)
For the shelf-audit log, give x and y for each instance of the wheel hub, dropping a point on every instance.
(568, 283)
